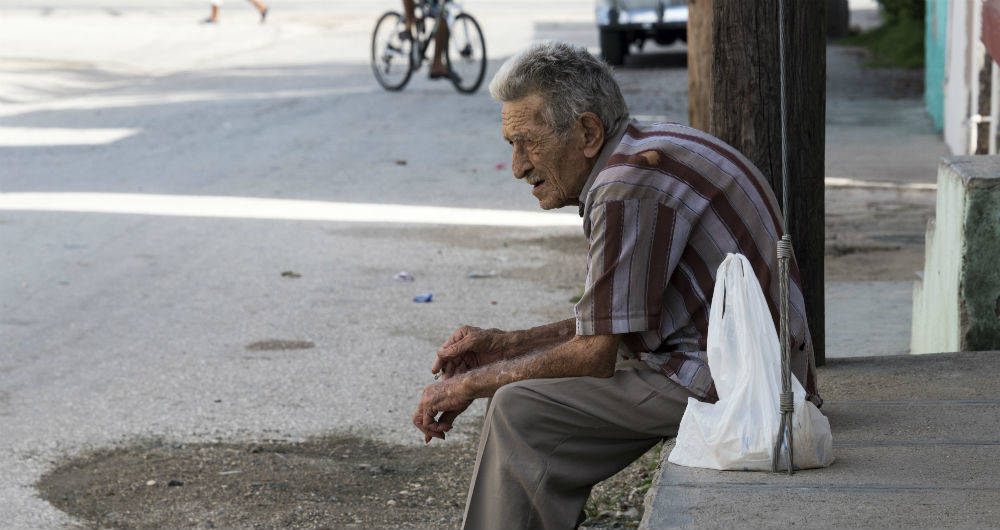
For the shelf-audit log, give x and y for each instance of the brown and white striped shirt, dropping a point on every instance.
(663, 206)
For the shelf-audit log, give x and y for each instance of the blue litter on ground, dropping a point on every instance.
(423, 298)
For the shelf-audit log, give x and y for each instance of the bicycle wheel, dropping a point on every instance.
(466, 54)
(391, 58)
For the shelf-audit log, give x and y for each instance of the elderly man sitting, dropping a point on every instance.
(578, 400)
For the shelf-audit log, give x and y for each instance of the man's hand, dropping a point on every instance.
(467, 349)
(446, 397)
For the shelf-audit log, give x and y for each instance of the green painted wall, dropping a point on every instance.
(981, 279)
(934, 50)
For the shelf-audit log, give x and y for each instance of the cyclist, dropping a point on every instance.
(214, 17)
(438, 68)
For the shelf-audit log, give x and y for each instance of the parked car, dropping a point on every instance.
(622, 23)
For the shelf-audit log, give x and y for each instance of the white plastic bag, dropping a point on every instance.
(738, 432)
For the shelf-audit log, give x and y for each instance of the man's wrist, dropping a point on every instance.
(512, 344)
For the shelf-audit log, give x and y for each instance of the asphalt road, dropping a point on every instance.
(123, 324)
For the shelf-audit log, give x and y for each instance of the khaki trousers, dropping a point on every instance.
(546, 442)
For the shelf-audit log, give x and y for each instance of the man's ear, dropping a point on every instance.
(593, 134)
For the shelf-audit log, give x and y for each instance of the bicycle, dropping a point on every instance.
(394, 59)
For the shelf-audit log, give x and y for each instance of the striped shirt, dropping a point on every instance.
(662, 208)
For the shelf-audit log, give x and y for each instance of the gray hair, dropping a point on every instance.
(569, 79)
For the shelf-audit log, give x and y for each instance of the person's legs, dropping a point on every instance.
(440, 45)
(410, 10)
(261, 8)
(214, 17)
(546, 442)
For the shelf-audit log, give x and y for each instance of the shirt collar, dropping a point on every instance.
(602, 160)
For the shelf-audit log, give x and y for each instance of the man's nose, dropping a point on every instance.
(520, 164)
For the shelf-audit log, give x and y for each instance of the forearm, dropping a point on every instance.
(538, 338)
(581, 356)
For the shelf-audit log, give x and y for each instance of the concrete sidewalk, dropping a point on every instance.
(917, 442)
(868, 318)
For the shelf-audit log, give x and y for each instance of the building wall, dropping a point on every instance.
(935, 46)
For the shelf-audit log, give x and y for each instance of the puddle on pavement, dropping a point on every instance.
(278, 344)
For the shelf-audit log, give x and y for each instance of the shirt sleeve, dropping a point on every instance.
(633, 251)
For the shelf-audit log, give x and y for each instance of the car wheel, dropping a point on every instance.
(613, 46)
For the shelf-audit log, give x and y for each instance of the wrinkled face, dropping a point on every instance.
(555, 169)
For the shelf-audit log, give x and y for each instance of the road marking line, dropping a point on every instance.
(264, 208)
(154, 99)
(53, 136)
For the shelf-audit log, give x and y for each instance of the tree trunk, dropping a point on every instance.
(745, 112)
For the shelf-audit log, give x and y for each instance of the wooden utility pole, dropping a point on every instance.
(740, 103)
(699, 44)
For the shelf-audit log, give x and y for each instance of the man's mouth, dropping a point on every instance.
(537, 184)
(535, 180)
